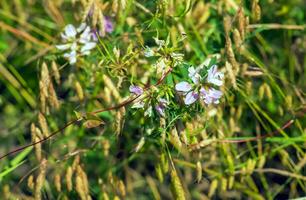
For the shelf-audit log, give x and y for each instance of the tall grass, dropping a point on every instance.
(69, 131)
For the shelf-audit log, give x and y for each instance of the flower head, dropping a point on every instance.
(196, 90)
(77, 41)
(160, 106)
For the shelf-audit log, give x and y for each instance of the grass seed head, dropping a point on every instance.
(57, 182)
(43, 124)
(69, 174)
(40, 180)
(176, 186)
(55, 72)
(31, 182)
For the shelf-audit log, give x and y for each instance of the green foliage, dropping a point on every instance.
(90, 143)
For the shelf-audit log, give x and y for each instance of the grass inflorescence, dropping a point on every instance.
(165, 99)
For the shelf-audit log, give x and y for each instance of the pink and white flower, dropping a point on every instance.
(160, 107)
(196, 90)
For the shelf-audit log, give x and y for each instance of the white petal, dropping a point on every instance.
(191, 71)
(220, 75)
(72, 60)
(86, 53)
(183, 86)
(72, 53)
(191, 97)
(81, 27)
(206, 62)
(70, 31)
(64, 36)
(72, 57)
(86, 33)
(63, 46)
(216, 101)
(88, 46)
(215, 81)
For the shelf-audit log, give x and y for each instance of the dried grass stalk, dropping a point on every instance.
(256, 10)
(119, 120)
(57, 182)
(53, 97)
(83, 176)
(213, 187)
(69, 174)
(43, 124)
(45, 78)
(241, 23)
(76, 162)
(237, 40)
(79, 90)
(79, 187)
(31, 183)
(159, 172)
(40, 179)
(55, 72)
(228, 44)
(37, 148)
(109, 83)
(199, 171)
(121, 188)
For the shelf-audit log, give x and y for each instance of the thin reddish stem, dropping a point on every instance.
(124, 103)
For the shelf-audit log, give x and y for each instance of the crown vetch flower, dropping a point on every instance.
(160, 106)
(196, 90)
(78, 41)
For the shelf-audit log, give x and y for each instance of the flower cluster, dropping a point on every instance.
(77, 41)
(160, 106)
(196, 90)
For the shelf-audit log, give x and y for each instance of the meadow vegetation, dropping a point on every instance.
(156, 99)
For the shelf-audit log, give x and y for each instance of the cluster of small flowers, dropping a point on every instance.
(160, 106)
(80, 41)
(196, 90)
(191, 91)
